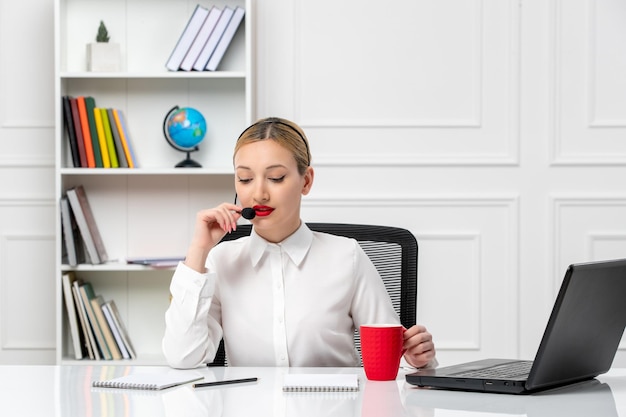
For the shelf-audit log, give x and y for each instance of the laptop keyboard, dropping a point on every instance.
(504, 371)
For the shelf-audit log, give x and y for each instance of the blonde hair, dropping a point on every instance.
(284, 132)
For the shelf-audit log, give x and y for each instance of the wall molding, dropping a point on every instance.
(475, 275)
(27, 161)
(498, 148)
(557, 203)
(557, 155)
(6, 343)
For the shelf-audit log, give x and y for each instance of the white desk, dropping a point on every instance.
(62, 391)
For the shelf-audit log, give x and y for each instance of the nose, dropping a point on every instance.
(260, 192)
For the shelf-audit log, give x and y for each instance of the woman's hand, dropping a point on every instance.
(418, 345)
(210, 227)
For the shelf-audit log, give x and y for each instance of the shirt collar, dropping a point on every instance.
(295, 246)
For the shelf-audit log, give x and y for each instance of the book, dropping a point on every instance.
(102, 140)
(69, 128)
(89, 339)
(119, 148)
(90, 105)
(114, 331)
(87, 294)
(87, 224)
(84, 125)
(214, 39)
(72, 314)
(115, 323)
(201, 39)
(227, 37)
(321, 383)
(96, 304)
(124, 138)
(160, 262)
(149, 381)
(190, 32)
(71, 235)
(78, 132)
(106, 125)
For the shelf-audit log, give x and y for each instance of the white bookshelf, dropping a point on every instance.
(149, 210)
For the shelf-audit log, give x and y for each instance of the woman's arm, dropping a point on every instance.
(192, 335)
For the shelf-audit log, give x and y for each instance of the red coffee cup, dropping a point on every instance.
(381, 350)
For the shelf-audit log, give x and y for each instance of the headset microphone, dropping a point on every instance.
(248, 213)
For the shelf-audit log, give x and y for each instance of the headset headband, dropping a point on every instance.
(277, 121)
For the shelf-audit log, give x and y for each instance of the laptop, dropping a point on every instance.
(579, 342)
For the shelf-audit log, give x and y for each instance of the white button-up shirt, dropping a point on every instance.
(295, 303)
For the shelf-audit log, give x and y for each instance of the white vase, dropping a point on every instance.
(103, 56)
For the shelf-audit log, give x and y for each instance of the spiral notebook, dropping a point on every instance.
(149, 381)
(321, 383)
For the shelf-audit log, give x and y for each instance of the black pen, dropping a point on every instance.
(225, 382)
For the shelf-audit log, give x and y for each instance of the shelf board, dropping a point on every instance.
(154, 75)
(112, 266)
(142, 360)
(147, 171)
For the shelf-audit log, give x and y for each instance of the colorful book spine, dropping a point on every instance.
(119, 148)
(109, 138)
(90, 104)
(78, 131)
(117, 115)
(102, 140)
(84, 124)
(69, 127)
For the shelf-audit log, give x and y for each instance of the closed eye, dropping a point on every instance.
(277, 179)
(244, 180)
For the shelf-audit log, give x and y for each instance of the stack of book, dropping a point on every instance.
(82, 242)
(96, 327)
(98, 137)
(205, 39)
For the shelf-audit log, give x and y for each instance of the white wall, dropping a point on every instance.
(492, 129)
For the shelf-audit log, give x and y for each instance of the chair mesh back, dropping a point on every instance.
(392, 250)
(386, 257)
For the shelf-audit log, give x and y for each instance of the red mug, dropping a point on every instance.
(381, 350)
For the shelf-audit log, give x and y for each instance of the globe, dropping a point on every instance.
(184, 128)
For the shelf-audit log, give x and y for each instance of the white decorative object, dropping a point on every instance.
(103, 56)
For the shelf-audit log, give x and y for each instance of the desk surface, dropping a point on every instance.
(62, 391)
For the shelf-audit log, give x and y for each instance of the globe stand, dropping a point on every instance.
(188, 162)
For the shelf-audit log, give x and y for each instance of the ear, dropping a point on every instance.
(308, 180)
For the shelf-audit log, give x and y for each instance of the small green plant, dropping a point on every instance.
(103, 33)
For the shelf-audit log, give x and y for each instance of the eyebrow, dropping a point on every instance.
(266, 168)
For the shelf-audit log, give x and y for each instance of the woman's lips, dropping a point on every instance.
(263, 211)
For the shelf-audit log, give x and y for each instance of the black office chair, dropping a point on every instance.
(392, 250)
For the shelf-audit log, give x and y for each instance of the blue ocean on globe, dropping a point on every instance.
(186, 127)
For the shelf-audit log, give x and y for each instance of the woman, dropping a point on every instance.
(284, 296)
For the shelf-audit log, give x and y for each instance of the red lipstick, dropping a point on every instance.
(263, 211)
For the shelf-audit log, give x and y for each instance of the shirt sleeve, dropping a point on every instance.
(191, 335)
